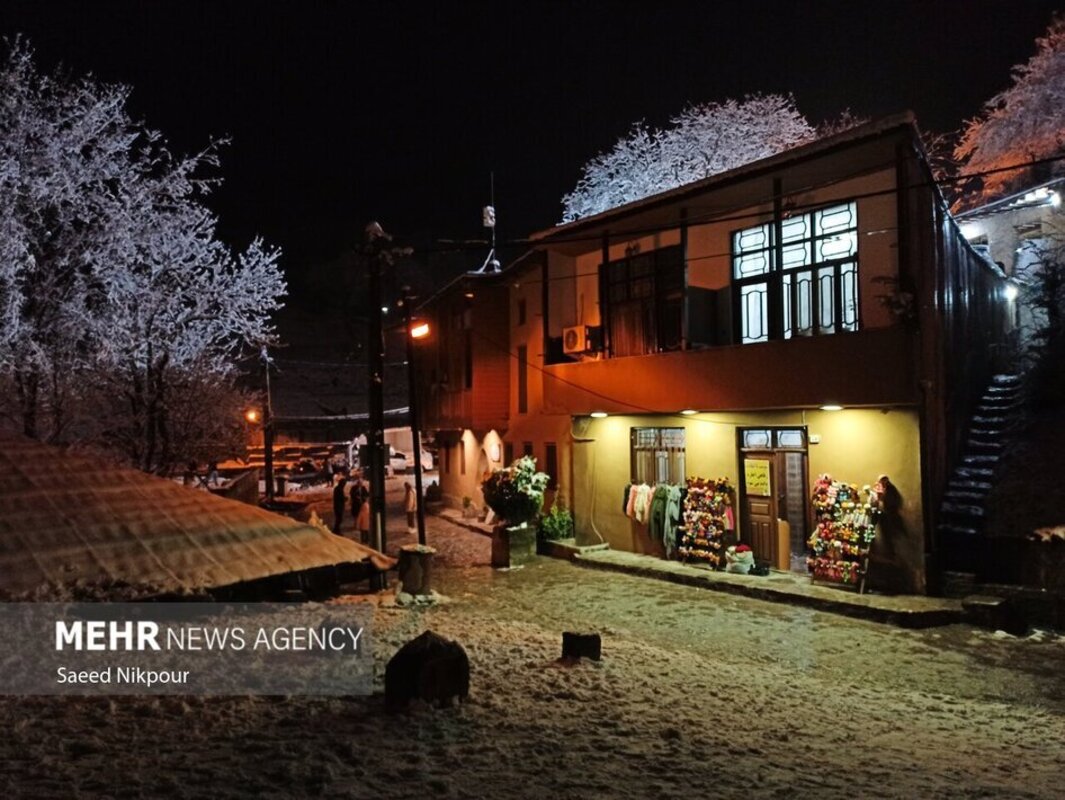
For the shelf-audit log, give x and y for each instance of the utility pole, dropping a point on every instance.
(412, 405)
(268, 432)
(376, 238)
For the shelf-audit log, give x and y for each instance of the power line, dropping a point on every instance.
(355, 364)
(637, 409)
(724, 216)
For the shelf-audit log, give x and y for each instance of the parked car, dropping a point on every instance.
(401, 462)
(397, 461)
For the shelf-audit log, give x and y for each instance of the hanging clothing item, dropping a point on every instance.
(656, 526)
(641, 509)
(672, 518)
(630, 506)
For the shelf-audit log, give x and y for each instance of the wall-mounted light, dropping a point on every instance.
(252, 415)
(598, 414)
(1010, 292)
(419, 330)
(831, 407)
(689, 411)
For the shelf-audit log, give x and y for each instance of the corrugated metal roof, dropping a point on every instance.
(68, 519)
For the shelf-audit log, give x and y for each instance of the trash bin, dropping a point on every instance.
(281, 480)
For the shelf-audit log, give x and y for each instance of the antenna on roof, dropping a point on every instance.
(488, 218)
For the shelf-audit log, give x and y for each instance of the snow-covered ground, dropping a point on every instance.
(698, 694)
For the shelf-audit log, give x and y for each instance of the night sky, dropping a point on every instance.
(345, 112)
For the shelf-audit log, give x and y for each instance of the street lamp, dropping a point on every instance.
(415, 330)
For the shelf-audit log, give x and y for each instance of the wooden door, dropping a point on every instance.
(759, 505)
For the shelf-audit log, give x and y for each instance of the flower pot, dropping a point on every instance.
(513, 545)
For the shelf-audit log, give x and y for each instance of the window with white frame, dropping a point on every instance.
(806, 283)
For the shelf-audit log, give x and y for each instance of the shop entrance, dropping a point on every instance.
(773, 495)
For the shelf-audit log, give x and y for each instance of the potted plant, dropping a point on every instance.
(557, 524)
(516, 495)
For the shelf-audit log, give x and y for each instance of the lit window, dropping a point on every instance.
(759, 438)
(658, 455)
(791, 437)
(806, 286)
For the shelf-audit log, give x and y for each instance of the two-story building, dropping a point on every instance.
(814, 312)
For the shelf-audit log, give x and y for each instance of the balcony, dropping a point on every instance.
(866, 368)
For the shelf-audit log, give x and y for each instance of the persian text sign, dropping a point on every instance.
(186, 648)
(756, 476)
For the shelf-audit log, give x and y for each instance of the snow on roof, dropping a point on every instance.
(1040, 194)
(858, 133)
(67, 519)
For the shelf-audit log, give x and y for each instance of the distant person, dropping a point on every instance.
(339, 485)
(362, 521)
(212, 473)
(359, 495)
(410, 505)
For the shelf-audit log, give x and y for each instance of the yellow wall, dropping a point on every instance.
(465, 481)
(856, 446)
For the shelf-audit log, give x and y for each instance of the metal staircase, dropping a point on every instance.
(963, 511)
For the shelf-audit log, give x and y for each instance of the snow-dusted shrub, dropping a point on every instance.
(516, 493)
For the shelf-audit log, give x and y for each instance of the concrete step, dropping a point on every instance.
(905, 610)
(965, 531)
(973, 473)
(1003, 389)
(1006, 379)
(985, 435)
(994, 613)
(958, 485)
(963, 511)
(980, 460)
(980, 446)
(1008, 396)
(1010, 410)
(960, 496)
(958, 584)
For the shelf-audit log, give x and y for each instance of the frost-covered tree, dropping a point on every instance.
(1025, 122)
(702, 140)
(183, 306)
(1044, 295)
(110, 272)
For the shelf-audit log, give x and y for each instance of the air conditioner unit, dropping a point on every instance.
(575, 339)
